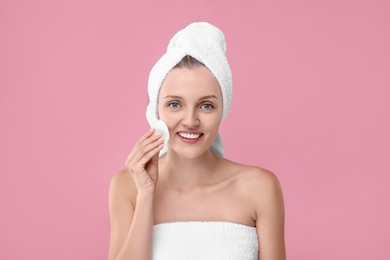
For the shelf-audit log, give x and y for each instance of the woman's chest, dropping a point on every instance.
(204, 205)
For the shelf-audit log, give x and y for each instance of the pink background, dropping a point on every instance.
(311, 103)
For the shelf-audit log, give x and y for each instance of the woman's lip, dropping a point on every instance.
(189, 132)
(190, 141)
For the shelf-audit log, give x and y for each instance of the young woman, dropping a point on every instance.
(183, 199)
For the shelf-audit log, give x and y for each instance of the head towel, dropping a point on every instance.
(206, 43)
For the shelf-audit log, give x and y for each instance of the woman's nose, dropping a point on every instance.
(191, 118)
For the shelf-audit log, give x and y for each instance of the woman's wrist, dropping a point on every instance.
(145, 197)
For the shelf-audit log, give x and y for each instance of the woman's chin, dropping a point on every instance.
(190, 152)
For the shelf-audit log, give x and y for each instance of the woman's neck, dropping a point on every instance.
(182, 173)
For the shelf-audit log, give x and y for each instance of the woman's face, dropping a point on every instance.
(190, 103)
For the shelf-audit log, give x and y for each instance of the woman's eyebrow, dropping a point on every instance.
(202, 98)
(173, 96)
(208, 97)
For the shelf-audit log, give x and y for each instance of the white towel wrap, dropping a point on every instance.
(204, 240)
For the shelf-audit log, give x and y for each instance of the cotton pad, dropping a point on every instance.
(162, 128)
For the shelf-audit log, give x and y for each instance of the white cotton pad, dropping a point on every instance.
(161, 127)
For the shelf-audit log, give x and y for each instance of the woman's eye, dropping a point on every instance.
(207, 106)
(174, 105)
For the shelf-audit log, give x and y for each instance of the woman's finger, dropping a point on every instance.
(149, 155)
(145, 140)
(141, 167)
(144, 154)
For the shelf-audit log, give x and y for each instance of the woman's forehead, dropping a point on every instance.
(190, 82)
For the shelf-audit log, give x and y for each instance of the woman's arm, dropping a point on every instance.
(131, 202)
(131, 228)
(270, 218)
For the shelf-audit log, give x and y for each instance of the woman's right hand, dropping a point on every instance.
(142, 162)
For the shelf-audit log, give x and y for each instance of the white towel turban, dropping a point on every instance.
(206, 43)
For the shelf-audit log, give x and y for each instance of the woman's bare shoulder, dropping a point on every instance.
(122, 185)
(254, 178)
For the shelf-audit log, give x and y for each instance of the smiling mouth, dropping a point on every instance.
(190, 136)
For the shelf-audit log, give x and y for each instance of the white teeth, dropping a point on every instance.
(189, 136)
